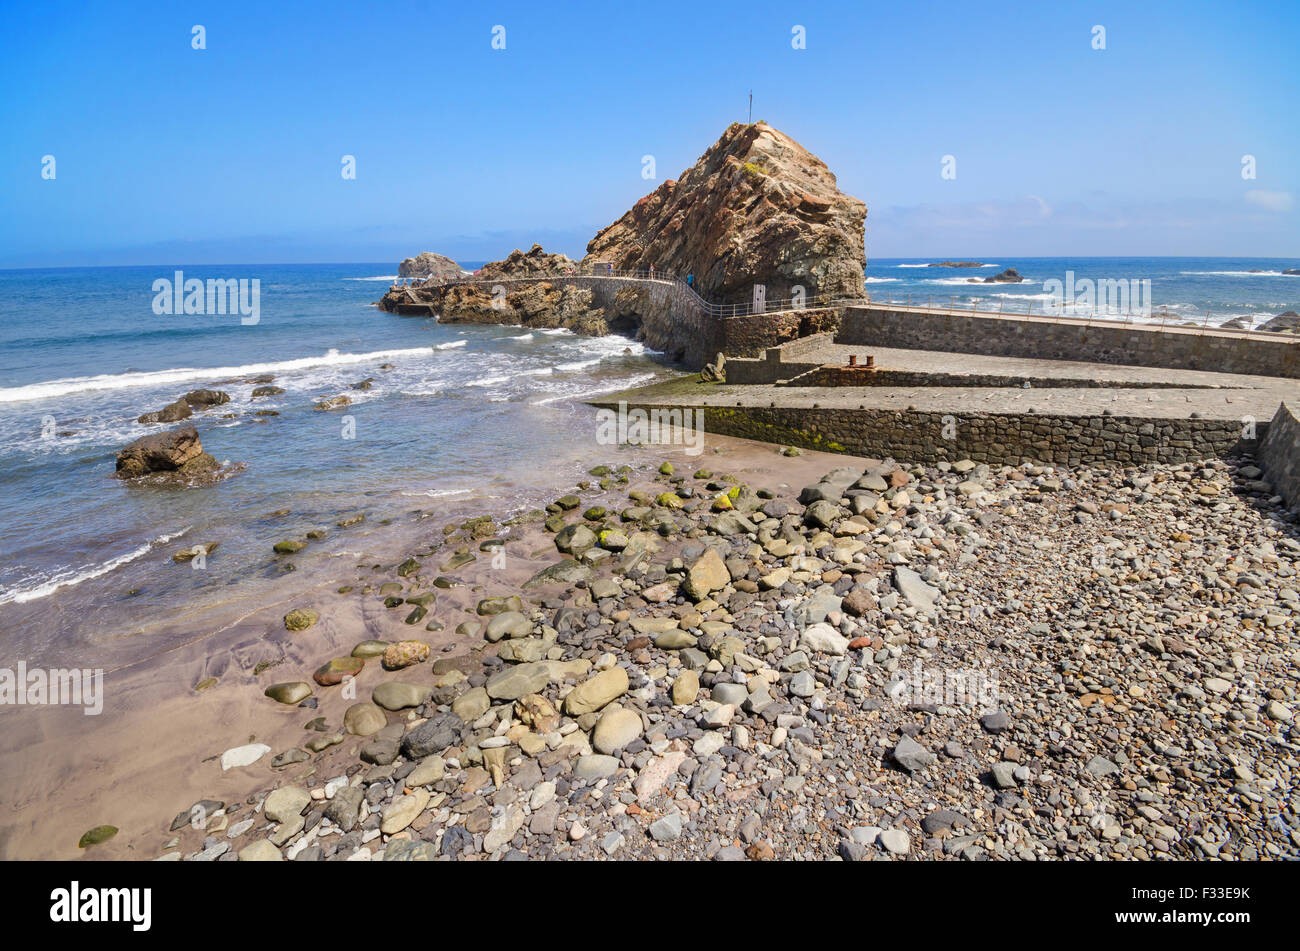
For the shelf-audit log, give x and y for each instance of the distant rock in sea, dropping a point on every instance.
(429, 264)
(1292, 270)
(1009, 276)
(957, 264)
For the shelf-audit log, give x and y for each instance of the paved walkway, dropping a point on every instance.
(930, 361)
(1182, 393)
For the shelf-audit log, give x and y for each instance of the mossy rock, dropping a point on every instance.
(367, 649)
(351, 520)
(265, 665)
(491, 607)
(568, 502)
(599, 471)
(346, 589)
(97, 835)
(408, 568)
(417, 614)
(393, 601)
(189, 554)
(703, 474)
(299, 619)
(316, 534)
(668, 500)
(423, 600)
(289, 546)
(595, 514)
(442, 581)
(333, 671)
(555, 524)
(666, 469)
(479, 527)
(791, 451)
(722, 503)
(458, 560)
(292, 692)
(205, 684)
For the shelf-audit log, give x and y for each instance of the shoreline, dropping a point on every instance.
(813, 612)
(237, 633)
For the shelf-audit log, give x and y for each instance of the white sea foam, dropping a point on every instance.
(523, 337)
(882, 280)
(381, 277)
(609, 387)
(577, 365)
(1237, 273)
(452, 345)
(51, 389)
(438, 493)
(30, 589)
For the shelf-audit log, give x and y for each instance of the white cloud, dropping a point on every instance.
(1270, 201)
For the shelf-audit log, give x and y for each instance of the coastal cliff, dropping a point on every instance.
(757, 208)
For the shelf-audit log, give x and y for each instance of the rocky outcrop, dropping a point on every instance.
(171, 413)
(173, 455)
(956, 264)
(1287, 322)
(521, 264)
(756, 208)
(1009, 276)
(201, 399)
(428, 264)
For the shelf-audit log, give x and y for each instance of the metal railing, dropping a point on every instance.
(675, 283)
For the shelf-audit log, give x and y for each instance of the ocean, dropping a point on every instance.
(468, 419)
(1189, 290)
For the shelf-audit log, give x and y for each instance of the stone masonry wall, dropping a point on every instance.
(993, 335)
(998, 439)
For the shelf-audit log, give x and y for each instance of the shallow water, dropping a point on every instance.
(466, 416)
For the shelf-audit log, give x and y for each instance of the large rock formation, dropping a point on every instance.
(428, 264)
(757, 208)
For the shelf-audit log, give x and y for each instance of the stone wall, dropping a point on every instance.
(998, 439)
(666, 315)
(994, 335)
(1279, 454)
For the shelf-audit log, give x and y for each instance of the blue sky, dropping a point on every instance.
(232, 154)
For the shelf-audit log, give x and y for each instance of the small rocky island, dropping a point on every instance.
(957, 264)
(1009, 276)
